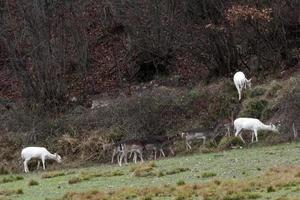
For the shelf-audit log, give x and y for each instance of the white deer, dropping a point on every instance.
(253, 125)
(40, 153)
(241, 82)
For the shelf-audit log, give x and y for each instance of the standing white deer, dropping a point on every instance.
(40, 153)
(241, 82)
(253, 125)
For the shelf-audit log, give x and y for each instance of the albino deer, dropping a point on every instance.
(241, 82)
(253, 125)
(41, 153)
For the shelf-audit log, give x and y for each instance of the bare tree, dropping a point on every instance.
(45, 40)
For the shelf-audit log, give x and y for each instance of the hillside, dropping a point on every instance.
(80, 76)
(251, 173)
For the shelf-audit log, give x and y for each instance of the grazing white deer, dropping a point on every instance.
(253, 125)
(241, 82)
(196, 134)
(40, 153)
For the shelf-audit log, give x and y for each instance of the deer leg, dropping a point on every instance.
(135, 157)
(122, 156)
(113, 155)
(240, 93)
(120, 159)
(141, 155)
(242, 139)
(43, 162)
(255, 133)
(252, 138)
(237, 132)
(126, 158)
(38, 165)
(188, 146)
(162, 152)
(26, 165)
(171, 150)
(119, 156)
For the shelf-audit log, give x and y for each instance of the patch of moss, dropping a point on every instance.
(53, 174)
(11, 179)
(33, 183)
(10, 192)
(208, 174)
(180, 182)
(74, 180)
(176, 171)
(271, 189)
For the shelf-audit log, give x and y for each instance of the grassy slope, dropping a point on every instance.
(238, 164)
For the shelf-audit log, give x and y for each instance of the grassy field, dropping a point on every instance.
(271, 172)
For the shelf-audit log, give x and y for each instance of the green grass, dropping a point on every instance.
(212, 168)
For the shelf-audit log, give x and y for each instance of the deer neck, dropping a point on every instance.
(51, 156)
(266, 127)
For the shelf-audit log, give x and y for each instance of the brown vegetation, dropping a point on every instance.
(275, 179)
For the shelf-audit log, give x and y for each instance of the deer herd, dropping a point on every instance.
(135, 149)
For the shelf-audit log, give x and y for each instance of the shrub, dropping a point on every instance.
(268, 112)
(271, 189)
(208, 174)
(258, 91)
(11, 179)
(254, 108)
(74, 180)
(274, 89)
(19, 191)
(3, 171)
(33, 182)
